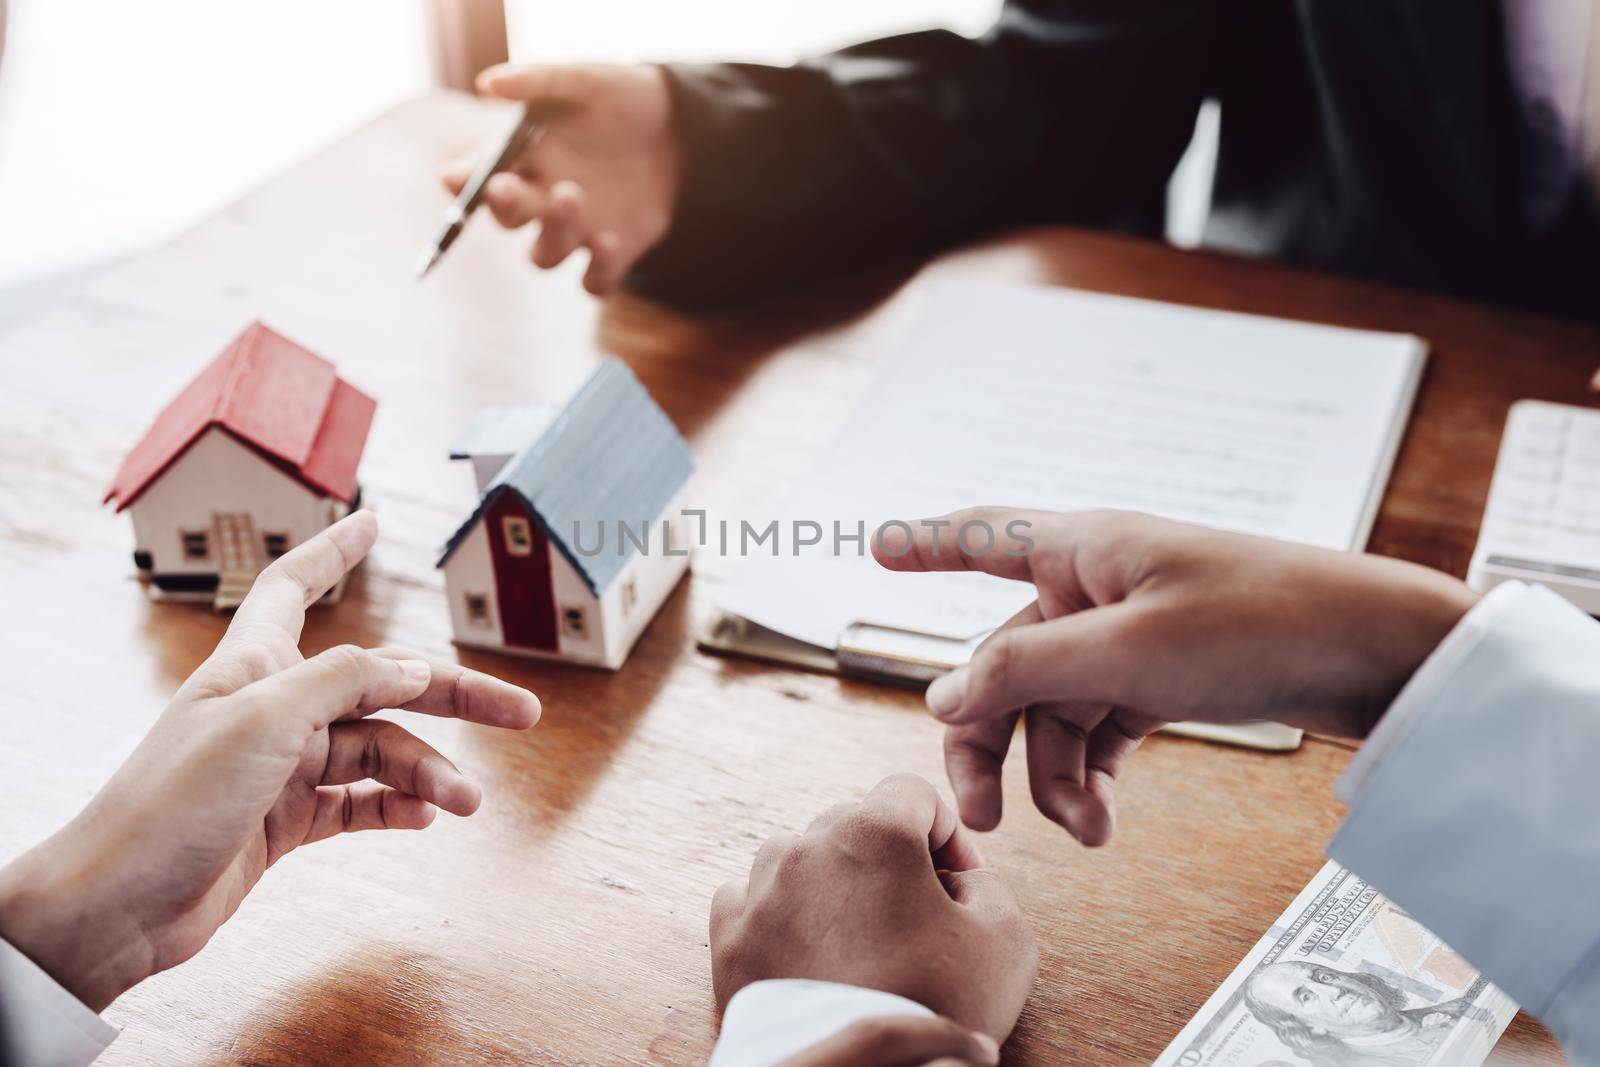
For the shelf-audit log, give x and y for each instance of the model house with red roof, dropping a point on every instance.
(255, 455)
(579, 534)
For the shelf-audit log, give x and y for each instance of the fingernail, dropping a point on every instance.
(417, 669)
(354, 519)
(987, 1045)
(948, 692)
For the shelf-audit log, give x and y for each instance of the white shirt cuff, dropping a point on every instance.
(1453, 652)
(44, 1025)
(767, 1022)
(1477, 810)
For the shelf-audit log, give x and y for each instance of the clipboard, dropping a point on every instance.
(909, 659)
(1036, 397)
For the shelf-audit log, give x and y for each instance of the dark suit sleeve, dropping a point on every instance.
(1068, 110)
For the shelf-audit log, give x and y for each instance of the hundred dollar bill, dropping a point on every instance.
(1345, 979)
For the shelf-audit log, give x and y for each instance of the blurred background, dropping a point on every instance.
(122, 124)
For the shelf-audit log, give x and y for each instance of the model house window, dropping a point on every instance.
(477, 609)
(630, 596)
(574, 621)
(275, 544)
(196, 544)
(519, 538)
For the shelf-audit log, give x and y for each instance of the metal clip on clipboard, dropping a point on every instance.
(897, 655)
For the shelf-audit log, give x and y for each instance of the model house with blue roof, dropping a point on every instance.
(579, 534)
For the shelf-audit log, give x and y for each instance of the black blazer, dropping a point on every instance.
(1373, 137)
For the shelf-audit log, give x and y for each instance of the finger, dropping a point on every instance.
(771, 853)
(454, 692)
(992, 540)
(727, 903)
(606, 265)
(899, 1041)
(513, 200)
(1058, 744)
(275, 608)
(1110, 745)
(560, 228)
(515, 81)
(974, 757)
(1115, 739)
(910, 803)
(392, 755)
(832, 815)
(982, 891)
(974, 754)
(343, 809)
(343, 682)
(1093, 656)
(456, 172)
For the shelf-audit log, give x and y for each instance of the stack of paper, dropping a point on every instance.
(1033, 397)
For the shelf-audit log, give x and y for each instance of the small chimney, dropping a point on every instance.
(497, 434)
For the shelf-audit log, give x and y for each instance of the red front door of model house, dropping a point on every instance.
(521, 555)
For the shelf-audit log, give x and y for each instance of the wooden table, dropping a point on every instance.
(566, 922)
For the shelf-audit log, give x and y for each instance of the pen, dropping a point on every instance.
(535, 116)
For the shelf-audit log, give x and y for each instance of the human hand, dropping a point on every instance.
(260, 752)
(887, 894)
(1140, 621)
(604, 177)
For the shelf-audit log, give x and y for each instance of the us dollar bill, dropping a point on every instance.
(1344, 978)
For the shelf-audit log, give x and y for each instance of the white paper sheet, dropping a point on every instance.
(1036, 397)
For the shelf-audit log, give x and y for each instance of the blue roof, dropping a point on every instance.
(610, 456)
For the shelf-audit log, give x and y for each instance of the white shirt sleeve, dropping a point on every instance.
(767, 1022)
(1476, 804)
(44, 1025)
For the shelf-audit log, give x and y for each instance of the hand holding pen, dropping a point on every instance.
(600, 171)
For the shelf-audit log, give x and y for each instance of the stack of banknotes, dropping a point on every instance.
(1345, 979)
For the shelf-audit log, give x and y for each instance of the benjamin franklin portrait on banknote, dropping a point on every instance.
(1344, 978)
(1335, 1018)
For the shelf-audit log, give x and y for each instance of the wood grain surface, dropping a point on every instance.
(565, 923)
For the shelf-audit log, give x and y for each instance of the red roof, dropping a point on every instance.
(279, 399)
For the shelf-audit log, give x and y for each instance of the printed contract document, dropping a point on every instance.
(1035, 397)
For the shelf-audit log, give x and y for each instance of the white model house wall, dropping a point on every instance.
(470, 572)
(217, 473)
(652, 577)
(588, 643)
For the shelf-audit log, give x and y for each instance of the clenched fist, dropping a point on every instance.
(889, 894)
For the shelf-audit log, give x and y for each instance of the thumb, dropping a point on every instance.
(981, 890)
(516, 81)
(334, 684)
(1091, 656)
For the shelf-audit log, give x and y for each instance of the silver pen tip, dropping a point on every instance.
(425, 262)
